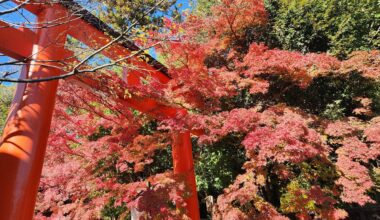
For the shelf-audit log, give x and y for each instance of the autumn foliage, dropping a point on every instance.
(302, 161)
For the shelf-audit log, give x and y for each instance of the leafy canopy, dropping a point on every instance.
(282, 134)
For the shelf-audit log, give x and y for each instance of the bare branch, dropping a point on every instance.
(117, 38)
(76, 68)
(16, 8)
(119, 60)
(75, 71)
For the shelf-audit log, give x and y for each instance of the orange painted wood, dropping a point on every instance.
(16, 43)
(23, 145)
(34, 8)
(94, 38)
(183, 165)
(25, 138)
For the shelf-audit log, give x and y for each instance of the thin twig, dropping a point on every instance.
(77, 66)
(14, 8)
(73, 72)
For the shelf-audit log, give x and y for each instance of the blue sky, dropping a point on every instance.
(23, 16)
(186, 4)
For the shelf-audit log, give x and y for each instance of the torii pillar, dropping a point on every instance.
(23, 145)
(183, 165)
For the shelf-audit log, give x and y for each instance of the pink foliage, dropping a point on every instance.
(365, 62)
(244, 192)
(339, 128)
(95, 137)
(293, 65)
(279, 144)
(355, 181)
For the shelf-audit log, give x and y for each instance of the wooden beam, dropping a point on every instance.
(93, 32)
(25, 136)
(16, 43)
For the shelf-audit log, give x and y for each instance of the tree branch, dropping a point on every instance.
(14, 8)
(73, 72)
(76, 70)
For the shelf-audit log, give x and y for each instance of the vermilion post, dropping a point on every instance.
(183, 165)
(23, 145)
(182, 151)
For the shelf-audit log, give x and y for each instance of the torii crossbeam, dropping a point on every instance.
(23, 145)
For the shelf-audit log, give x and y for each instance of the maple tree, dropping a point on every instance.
(308, 153)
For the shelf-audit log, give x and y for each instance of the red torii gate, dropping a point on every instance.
(24, 140)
